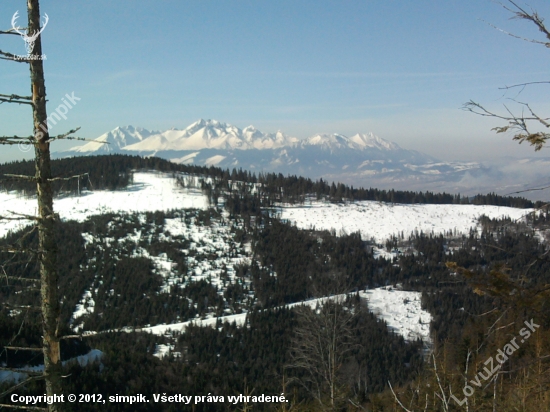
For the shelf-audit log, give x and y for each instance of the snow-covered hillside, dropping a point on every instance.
(401, 310)
(210, 134)
(150, 191)
(213, 253)
(382, 220)
(114, 141)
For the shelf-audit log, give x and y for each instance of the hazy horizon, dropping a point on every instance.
(400, 70)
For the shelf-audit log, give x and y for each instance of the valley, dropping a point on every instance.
(192, 270)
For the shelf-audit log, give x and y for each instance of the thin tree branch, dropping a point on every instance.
(10, 31)
(17, 370)
(25, 348)
(532, 17)
(21, 307)
(68, 178)
(13, 388)
(547, 44)
(63, 136)
(397, 399)
(2, 100)
(13, 140)
(23, 177)
(14, 98)
(528, 190)
(523, 85)
(12, 57)
(28, 408)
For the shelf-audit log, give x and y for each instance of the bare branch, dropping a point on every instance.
(10, 31)
(14, 98)
(546, 44)
(63, 136)
(442, 397)
(522, 14)
(26, 348)
(532, 17)
(15, 370)
(518, 123)
(397, 399)
(528, 190)
(82, 139)
(72, 337)
(523, 85)
(2, 100)
(66, 136)
(23, 177)
(12, 57)
(12, 218)
(28, 408)
(69, 178)
(13, 140)
(13, 388)
(26, 307)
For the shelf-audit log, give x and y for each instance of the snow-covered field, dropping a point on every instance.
(158, 191)
(382, 220)
(150, 191)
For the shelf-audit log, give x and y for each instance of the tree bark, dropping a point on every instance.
(47, 255)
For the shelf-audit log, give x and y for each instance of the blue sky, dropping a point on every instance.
(399, 68)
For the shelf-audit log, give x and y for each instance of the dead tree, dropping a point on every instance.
(46, 219)
(320, 346)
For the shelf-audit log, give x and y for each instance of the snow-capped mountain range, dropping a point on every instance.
(363, 159)
(211, 134)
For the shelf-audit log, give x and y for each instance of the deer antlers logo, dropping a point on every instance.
(28, 37)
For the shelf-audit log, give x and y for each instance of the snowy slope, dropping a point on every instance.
(149, 192)
(211, 251)
(157, 191)
(211, 134)
(382, 220)
(113, 141)
(357, 142)
(401, 310)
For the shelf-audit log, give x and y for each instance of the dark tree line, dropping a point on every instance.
(115, 172)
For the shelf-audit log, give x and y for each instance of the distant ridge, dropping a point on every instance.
(117, 138)
(362, 159)
(212, 134)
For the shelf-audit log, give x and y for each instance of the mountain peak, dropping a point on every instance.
(370, 140)
(114, 141)
(213, 134)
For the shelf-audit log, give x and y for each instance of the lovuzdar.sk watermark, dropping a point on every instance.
(492, 367)
(29, 38)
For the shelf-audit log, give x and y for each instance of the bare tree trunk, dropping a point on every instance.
(47, 245)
